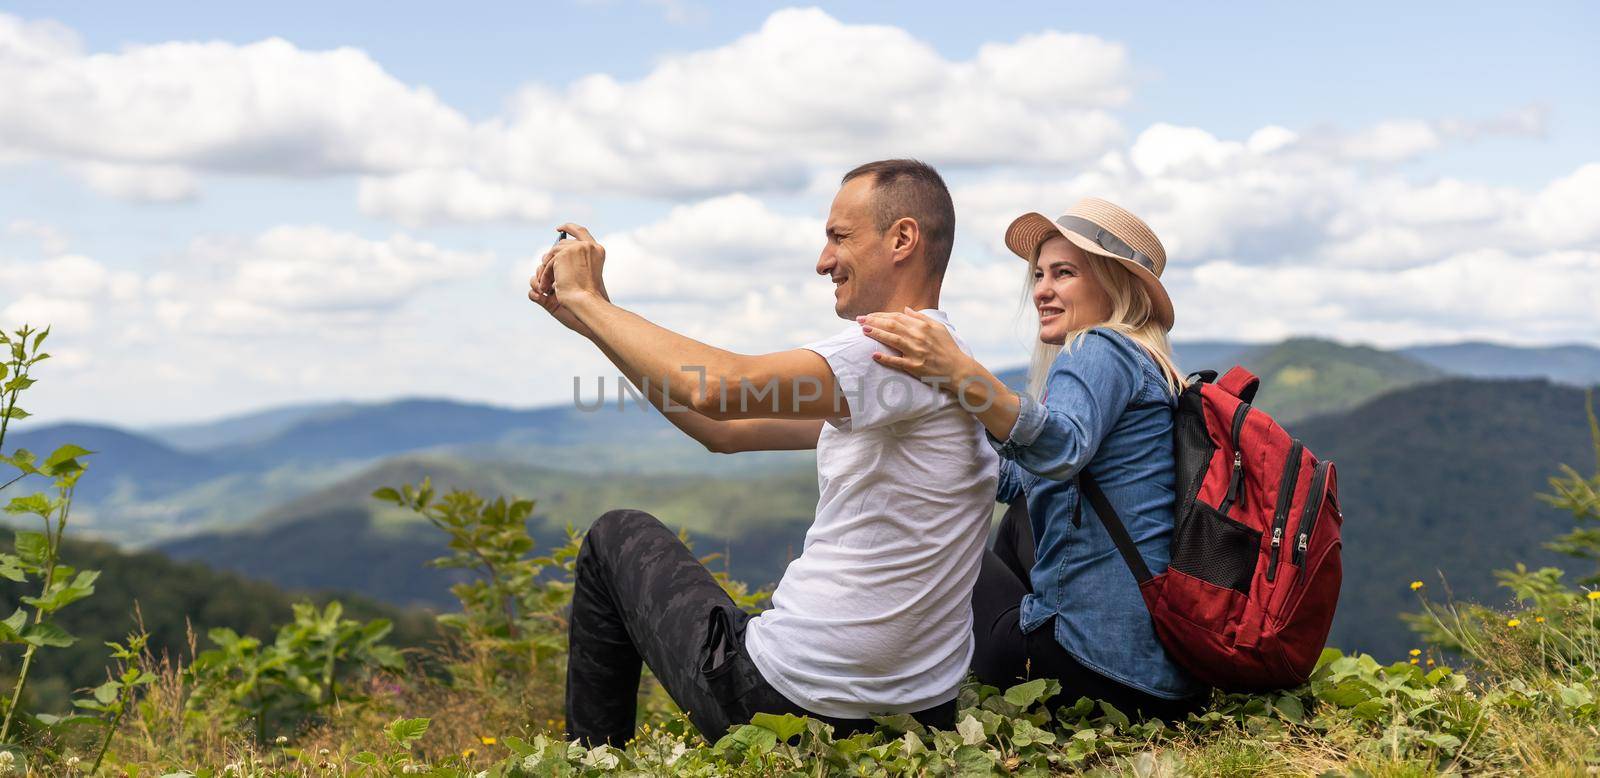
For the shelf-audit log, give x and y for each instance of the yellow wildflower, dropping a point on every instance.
(1413, 660)
(1430, 661)
(1415, 585)
(1595, 595)
(488, 741)
(1538, 619)
(1514, 622)
(467, 754)
(1416, 652)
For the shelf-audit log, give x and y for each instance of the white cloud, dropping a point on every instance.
(1567, 212)
(765, 111)
(140, 183)
(52, 240)
(1492, 294)
(423, 197)
(769, 108)
(266, 108)
(293, 276)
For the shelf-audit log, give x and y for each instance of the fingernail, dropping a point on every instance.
(865, 328)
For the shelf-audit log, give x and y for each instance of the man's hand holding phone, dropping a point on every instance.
(569, 269)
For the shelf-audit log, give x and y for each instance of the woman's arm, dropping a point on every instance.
(928, 352)
(1088, 388)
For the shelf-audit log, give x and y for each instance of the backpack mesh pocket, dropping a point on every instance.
(1216, 549)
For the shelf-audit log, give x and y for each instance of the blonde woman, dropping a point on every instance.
(1055, 599)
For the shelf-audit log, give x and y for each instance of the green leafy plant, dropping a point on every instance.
(310, 666)
(112, 699)
(37, 553)
(1580, 496)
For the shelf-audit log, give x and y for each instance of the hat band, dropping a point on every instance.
(1105, 240)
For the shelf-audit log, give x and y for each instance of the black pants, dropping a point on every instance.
(640, 596)
(1004, 656)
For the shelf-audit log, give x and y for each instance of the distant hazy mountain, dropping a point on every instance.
(123, 461)
(143, 488)
(1573, 364)
(246, 428)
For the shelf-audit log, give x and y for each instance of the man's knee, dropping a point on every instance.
(614, 528)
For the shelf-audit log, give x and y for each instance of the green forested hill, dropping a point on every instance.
(340, 538)
(173, 598)
(1441, 478)
(1304, 377)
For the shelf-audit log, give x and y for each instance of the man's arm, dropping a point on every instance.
(729, 436)
(713, 382)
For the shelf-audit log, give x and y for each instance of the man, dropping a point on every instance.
(874, 616)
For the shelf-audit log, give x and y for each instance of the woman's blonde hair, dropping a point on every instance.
(1130, 315)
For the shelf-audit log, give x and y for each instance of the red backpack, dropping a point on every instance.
(1249, 596)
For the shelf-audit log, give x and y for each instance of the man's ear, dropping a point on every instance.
(905, 239)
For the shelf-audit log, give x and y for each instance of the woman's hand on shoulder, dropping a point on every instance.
(927, 349)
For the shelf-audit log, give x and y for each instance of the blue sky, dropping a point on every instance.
(233, 239)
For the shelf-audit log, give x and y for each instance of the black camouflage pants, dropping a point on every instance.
(642, 598)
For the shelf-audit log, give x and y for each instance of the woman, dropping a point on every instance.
(1067, 607)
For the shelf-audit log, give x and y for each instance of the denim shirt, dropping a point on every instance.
(1106, 407)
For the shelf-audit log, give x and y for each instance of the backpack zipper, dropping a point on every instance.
(1308, 519)
(1236, 480)
(1280, 516)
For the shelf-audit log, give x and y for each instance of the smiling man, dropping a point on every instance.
(873, 617)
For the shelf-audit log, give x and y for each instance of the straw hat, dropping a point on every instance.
(1103, 228)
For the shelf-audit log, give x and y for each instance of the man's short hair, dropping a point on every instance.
(907, 187)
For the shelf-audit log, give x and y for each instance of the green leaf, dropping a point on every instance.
(61, 722)
(16, 621)
(786, 726)
(63, 454)
(365, 758)
(106, 693)
(748, 737)
(47, 634)
(1023, 695)
(1290, 709)
(64, 460)
(16, 412)
(22, 459)
(403, 731)
(972, 761)
(35, 503)
(971, 731)
(11, 568)
(387, 495)
(82, 586)
(32, 547)
(1116, 717)
(1347, 693)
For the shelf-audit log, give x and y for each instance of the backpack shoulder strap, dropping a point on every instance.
(1113, 522)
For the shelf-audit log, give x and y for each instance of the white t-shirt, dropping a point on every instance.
(875, 616)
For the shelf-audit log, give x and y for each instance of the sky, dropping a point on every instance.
(224, 207)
